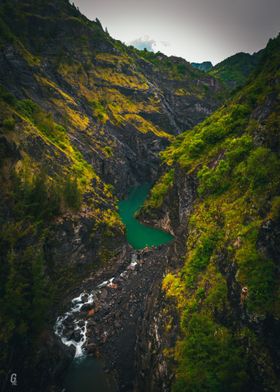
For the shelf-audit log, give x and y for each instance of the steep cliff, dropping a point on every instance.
(120, 106)
(221, 195)
(83, 118)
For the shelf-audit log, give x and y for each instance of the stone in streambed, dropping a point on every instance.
(84, 298)
(81, 323)
(68, 320)
(76, 336)
(103, 294)
(90, 313)
(86, 307)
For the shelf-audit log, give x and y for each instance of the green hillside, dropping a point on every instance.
(228, 338)
(235, 70)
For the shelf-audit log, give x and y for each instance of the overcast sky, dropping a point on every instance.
(197, 30)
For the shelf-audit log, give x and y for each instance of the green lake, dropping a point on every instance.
(139, 235)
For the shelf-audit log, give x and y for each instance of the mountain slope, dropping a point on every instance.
(111, 94)
(222, 194)
(83, 118)
(235, 70)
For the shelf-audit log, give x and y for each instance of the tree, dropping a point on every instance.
(72, 194)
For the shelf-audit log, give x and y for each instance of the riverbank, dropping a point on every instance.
(116, 314)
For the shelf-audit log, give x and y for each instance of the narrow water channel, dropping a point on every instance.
(139, 235)
(86, 374)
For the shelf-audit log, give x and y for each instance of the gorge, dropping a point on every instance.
(139, 213)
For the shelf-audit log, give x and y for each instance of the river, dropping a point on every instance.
(137, 234)
(86, 374)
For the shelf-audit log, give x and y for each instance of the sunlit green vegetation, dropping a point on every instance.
(210, 359)
(235, 70)
(235, 157)
(158, 192)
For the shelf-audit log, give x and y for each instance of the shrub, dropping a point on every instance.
(99, 111)
(256, 272)
(214, 133)
(72, 194)
(9, 123)
(238, 149)
(196, 147)
(209, 359)
(108, 151)
(36, 196)
(275, 208)
(27, 107)
(182, 69)
(6, 96)
(262, 167)
(201, 257)
(159, 190)
(214, 181)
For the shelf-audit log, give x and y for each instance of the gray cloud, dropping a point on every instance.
(165, 43)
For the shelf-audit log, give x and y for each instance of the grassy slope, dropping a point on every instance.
(235, 156)
(235, 70)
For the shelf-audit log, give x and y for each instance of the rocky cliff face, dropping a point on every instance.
(225, 290)
(119, 107)
(83, 118)
(159, 329)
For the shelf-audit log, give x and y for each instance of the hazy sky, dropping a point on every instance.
(197, 30)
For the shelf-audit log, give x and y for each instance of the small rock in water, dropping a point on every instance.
(68, 333)
(90, 312)
(112, 285)
(84, 298)
(69, 320)
(76, 336)
(86, 307)
(83, 314)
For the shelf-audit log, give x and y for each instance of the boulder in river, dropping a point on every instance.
(86, 307)
(90, 312)
(76, 336)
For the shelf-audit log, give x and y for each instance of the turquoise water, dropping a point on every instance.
(139, 235)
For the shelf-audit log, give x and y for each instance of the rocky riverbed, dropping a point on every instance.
(103, 321)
